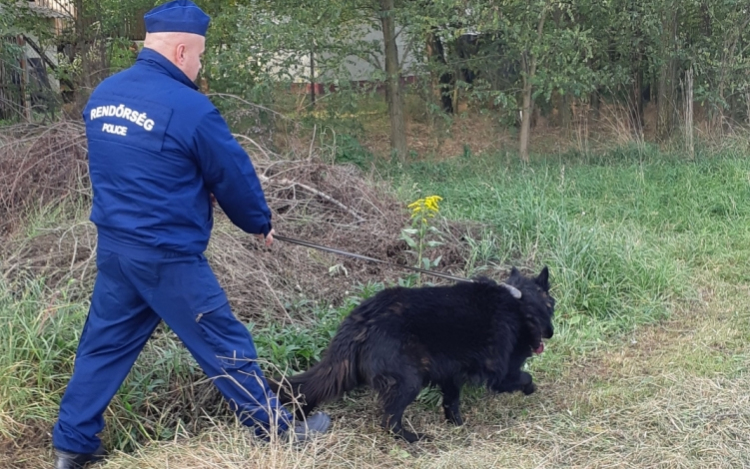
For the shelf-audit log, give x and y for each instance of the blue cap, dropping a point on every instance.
(179, 16)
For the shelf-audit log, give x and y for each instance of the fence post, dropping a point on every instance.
(689, 143)
(25, 102)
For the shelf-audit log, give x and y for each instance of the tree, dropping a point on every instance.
(717, 41)
(394, 95)
(554, 55)
(667, 70)
(272, 42)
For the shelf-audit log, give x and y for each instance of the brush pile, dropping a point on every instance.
(45, 198)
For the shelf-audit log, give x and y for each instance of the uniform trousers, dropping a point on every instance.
(135, 289)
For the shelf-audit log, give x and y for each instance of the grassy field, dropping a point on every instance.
(648, 367)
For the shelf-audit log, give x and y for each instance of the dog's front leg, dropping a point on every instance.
(520, 381)
(451, 400)
(528, 384)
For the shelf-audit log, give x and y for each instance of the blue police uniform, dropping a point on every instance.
(157, 150)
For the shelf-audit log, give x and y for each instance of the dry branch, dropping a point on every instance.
(43, 170)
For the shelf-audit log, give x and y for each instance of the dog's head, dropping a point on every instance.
(537, 305)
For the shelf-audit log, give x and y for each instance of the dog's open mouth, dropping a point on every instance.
(539, 349)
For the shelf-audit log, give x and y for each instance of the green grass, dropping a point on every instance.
(630, 238)
(295, 347)
(622, 234)
(38, 340)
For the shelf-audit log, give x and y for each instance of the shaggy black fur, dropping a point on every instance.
(404, 339)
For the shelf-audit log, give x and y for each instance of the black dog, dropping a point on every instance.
(403, 339)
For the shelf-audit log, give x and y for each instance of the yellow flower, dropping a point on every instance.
(432, 202)
(425, 208)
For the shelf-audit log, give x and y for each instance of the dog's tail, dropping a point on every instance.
(326, 381)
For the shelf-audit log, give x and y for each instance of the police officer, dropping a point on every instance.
(158, 150)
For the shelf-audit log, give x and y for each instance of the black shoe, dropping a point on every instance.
(315, 425)
(65, 460)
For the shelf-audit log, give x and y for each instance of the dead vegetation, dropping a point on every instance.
(45, 198)
(652, 401)
(39, 166)
(628, 406)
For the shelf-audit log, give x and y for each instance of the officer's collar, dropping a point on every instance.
(151, 57)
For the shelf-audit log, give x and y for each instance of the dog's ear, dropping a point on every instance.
(514, 273)
(543, 279)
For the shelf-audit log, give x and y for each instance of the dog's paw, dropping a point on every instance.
(453, 415)
(455, 419)
(412, 437)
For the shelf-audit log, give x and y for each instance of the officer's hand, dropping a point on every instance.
(268, 239)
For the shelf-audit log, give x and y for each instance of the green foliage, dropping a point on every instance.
(120, 54)
(625, 234)
(18, 18)
(255, 47)
(38, 339)
(349, 150)
(297, 347)
(257, 50)
(619, 235)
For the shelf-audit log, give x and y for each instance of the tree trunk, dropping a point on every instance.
(529, 65)
(595, 104)
(525, 119)
(25, 101)
(566, 113)
(394, 96)
(689, 145)
(636, 100)
(665, 103)
(312, 77)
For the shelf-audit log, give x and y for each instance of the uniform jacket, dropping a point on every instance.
(157, 149)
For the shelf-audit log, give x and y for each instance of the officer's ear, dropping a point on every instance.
(179, 53)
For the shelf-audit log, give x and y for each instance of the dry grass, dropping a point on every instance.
(671, 396)
(666, 398)
(39, 166)
(589, 132)
(480, 133)
(45, 198)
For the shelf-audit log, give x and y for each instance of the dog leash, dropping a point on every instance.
(515, 292)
